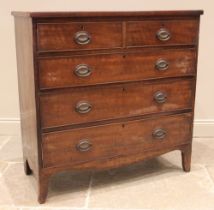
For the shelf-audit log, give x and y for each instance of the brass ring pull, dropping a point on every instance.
(160, 97)
(82, 37)
(161, 65)
(83, 107)
(82, 70)
(159, 133)
(84, 145)
(163, 35)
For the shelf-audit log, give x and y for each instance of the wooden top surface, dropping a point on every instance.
(108, 14)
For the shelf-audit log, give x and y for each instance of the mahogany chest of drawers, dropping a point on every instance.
(100, 90)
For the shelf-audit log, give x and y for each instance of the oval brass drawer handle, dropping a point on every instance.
(163, 35)
(84, 145)
(160, 97)
(159, 133)
(82, 70)
(83, 107)
(161, 65)
(82, 37)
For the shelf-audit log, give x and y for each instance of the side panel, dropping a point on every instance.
(27, 97)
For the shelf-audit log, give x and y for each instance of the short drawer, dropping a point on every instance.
(78, 36)
(97, 103)
(115, 140)
(165, 32)
(110, 68)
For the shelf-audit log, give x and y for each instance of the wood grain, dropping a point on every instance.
(114, 140)
(27, 97)
(112, 102)
(57, 72)
(97, 14)
(122, 54)
(56, 37)
(141, 33)
(113, 162)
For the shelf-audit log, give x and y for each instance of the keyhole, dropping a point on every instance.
(123, 125)
(162, 24)
(124, 89)
(82, 27)
(124, 56)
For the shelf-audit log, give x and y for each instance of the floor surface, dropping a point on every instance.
(157, 184)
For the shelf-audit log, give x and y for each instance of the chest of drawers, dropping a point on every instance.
(102, 90)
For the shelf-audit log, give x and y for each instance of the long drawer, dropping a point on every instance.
(57, 72)
(115, 140)
(82, 105)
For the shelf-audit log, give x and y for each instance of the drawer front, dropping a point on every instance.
(171, 32)
(115, 140)
(82, 105)
(78, 36)
(101, 69)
